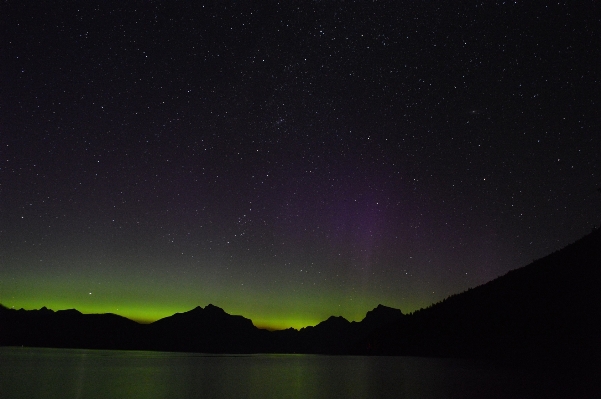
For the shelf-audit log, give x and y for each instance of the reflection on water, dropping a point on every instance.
(59, 373)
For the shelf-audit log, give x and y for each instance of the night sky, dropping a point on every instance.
(291, 160)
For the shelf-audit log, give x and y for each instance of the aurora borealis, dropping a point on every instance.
(290, 161)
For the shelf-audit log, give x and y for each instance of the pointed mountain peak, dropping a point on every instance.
(209, 312)
(381, 309)
(214, 309)
(382, 315)
(334, 321)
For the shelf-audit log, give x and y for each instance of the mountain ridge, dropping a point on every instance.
(209, 330)
(547, 310)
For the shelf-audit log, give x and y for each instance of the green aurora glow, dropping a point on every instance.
(145, 305)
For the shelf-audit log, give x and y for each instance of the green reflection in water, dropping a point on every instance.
(58, 373)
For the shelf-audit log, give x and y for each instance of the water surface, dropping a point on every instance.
(72, 373)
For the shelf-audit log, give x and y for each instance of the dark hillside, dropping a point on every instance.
(549, 309)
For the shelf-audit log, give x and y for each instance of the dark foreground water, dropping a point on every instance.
(70, 373)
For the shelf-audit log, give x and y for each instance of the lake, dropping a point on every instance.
(76, 373)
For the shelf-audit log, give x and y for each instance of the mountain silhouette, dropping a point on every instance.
(209, 330)
(547, 310)
(67, 329)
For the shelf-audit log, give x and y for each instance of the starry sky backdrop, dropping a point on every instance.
(290, 160)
